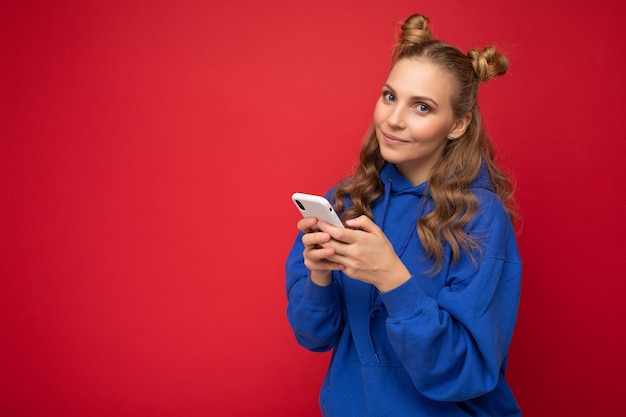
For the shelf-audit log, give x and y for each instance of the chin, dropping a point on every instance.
(390, 156)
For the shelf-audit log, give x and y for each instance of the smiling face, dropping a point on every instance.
(414, 119)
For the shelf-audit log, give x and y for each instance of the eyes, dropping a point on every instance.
(420, 108)
(388, 96)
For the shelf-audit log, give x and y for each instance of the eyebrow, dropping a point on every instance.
(414, 98)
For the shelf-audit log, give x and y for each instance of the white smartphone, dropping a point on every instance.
(316, 206)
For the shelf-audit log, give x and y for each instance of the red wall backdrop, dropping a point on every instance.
(148, 151)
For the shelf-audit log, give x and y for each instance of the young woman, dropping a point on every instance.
(418, 296)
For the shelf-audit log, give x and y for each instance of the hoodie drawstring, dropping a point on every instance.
(385, 202)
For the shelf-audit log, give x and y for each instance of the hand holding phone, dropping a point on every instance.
(316, 206)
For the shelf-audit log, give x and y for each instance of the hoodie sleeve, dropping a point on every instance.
(315, 313)
(454, 345)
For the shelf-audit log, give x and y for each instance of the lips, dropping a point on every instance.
(392, 140)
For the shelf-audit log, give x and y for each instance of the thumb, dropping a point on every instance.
(364, 223)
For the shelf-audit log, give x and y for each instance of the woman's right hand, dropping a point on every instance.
(315, 254)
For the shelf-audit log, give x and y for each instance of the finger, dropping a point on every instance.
(323, 265)
(315, 238)
(317, 260)
(363, 223)
(339, 259)
(320, 254)
(306, 224)
(337, 233)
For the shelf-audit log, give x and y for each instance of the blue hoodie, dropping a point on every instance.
(436, 345)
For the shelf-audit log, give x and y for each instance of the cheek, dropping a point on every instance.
(379, 112)
(428, 130)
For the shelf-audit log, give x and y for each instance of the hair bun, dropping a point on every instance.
(488, 63)
(413, 31)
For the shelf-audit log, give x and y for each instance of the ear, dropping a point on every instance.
(460, 126)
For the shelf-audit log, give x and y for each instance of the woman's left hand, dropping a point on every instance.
(366, 254)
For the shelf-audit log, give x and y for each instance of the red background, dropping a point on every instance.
(148, 151)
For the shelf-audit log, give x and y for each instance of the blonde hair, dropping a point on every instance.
(462, 158)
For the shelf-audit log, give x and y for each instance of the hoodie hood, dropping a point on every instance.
(398, 216)
(410, 202)
(390, 176)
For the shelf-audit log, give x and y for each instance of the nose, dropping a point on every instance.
(396, 118)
